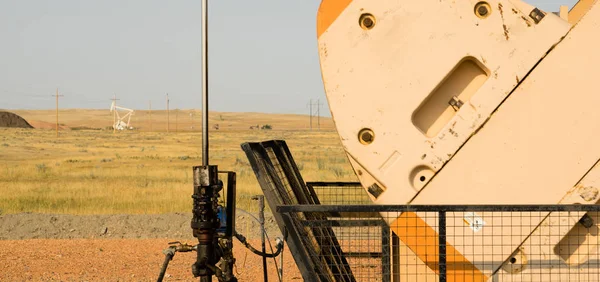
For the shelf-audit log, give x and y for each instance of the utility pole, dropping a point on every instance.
(318, 105)
(167, 112)
(114, 99)
(176, 120)
(57, 110)
(311, 113)
(318, 114)
(192, 118)
(150, 113)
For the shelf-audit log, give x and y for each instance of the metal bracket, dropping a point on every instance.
(586, 221)
(455, 103)
(537, 15)
(375, 190)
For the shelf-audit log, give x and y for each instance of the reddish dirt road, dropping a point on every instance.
(117, 260)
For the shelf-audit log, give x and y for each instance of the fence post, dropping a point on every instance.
(386, 252)
(442, 245)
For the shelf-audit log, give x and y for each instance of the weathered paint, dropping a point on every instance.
(378, 78)
(536, 146)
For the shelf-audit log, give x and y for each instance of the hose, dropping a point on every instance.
(280, 273)
(278, 247)
(169, 254)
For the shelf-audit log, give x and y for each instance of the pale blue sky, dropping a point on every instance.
(263, 53)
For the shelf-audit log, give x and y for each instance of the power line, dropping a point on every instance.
(312, 113)
(150, 113)
(56, 95)
(192, 118)
(319, 114)
(167, 112)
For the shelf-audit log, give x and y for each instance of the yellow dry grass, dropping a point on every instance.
(98, 172)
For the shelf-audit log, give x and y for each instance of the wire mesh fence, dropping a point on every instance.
(340, 193)
(336, 233)
(448, 243)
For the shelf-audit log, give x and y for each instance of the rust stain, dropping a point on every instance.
(483, 124)
(324, 51)
(503, 24)
(518, 81)
(473, 106)
(589, 193)
(526, 21)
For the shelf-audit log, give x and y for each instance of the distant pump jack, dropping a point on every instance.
(120, 123)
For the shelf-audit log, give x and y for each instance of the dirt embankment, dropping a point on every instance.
(60, 226)
(8, 119)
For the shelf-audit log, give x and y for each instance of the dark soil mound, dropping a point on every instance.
(11, 120)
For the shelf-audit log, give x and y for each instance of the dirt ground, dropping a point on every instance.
(51, 247)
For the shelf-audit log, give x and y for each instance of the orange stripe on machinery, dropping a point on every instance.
(329, 11)
(424, 242)
(579, 10)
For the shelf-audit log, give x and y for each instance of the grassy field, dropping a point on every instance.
(98, 172)
(177, 120)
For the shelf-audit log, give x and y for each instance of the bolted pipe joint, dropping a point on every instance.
(205, 220)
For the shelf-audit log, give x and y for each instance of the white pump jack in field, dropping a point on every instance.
(120, 123)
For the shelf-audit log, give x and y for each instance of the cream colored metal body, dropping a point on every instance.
(446, 102)
(398, 77)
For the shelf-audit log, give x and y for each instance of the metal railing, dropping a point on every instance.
(449, 243)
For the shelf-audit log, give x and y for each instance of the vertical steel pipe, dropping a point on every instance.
(204, 82)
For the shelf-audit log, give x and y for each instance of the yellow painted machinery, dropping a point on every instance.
(439, 105)
(470, 102)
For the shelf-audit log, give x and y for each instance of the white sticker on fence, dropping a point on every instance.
(474, 221)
